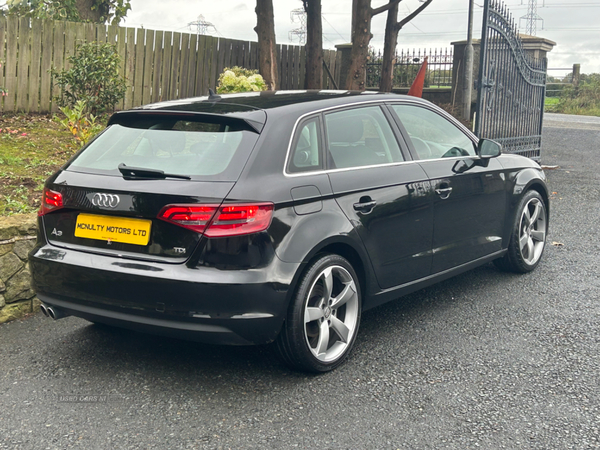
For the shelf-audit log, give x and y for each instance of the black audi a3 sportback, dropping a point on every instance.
(278, 216)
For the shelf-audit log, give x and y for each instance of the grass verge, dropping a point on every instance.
(551, 103)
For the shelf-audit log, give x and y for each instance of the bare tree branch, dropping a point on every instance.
(375, 11)
(412, 15)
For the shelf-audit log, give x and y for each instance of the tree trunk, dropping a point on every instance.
(86, 13)
(361, 36)
(357, 74)
(267, 47)
(389, 50)
(314, 44)
(391, 41)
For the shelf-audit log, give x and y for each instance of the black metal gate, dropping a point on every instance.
(512, 85)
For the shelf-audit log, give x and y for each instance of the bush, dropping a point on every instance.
(82, 126)
(93, 78)
(583, 99)
(238, 79)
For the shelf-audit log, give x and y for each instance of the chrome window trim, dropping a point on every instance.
(316, 113)
(304, 119)
(381, 102)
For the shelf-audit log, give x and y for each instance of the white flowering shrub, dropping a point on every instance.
(238, 79)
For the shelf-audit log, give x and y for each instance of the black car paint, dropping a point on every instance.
(198, 296)
(139, 198)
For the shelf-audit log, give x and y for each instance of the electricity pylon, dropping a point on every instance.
(201, 25)
(298, 33)
(532, 18)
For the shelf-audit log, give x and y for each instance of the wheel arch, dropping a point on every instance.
(531, 179)
(347, 248)
(348, 252)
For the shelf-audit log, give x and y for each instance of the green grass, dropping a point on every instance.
(579, 110)
(32, 147)
(551, 103)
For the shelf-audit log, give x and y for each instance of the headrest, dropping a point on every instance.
(347, 129)
(303, 142)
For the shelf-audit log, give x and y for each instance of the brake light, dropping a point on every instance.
(51, 201)
(233, 220)
(193, 217)
(215, 221)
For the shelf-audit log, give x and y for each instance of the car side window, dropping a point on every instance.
(433, 136)
(360, 137)
(306, 148)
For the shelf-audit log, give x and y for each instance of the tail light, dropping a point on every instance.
(220, 221)
(51, 201)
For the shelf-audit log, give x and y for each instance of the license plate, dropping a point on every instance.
(115, 229)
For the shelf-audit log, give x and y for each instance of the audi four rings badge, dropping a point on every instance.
(106, 200)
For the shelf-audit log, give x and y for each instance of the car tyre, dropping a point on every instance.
(323, 318)
(528, 235)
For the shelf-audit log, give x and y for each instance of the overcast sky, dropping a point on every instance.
(573, 24)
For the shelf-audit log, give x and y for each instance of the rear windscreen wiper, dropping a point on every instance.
(138, 172)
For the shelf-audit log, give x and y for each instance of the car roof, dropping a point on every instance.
(253, 107)
(266, 100)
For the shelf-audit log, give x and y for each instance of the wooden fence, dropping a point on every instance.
(157, 65)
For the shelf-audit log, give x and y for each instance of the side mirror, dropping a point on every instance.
(488, 149)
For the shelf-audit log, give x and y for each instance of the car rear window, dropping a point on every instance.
(206, 149)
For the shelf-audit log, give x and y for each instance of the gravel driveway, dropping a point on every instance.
(486, 359)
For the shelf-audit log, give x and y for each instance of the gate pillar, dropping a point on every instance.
(536, 47)
(343, 57)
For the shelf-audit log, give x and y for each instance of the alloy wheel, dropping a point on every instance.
(532, 231)
(331, 313)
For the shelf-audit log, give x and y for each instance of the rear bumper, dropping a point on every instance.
(204, 304)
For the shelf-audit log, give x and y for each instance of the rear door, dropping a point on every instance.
(178, 171)
(387, 199)
(469, 200)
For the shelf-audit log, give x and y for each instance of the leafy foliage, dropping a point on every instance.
(93, 78)
(107, 10)
(583, 99)
(238, 79)
(81, 125)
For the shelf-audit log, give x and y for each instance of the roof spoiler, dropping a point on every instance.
(129, 118)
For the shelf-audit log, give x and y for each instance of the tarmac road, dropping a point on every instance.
(485, 360)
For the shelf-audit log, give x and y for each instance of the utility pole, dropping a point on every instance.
(468, 81)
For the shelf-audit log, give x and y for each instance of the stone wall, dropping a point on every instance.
(17, 237)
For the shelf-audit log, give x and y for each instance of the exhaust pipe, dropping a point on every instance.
(53, 312)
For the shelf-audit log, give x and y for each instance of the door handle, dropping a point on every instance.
(365, 207)
(444, 193)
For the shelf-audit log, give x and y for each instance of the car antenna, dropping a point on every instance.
(212, 95)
